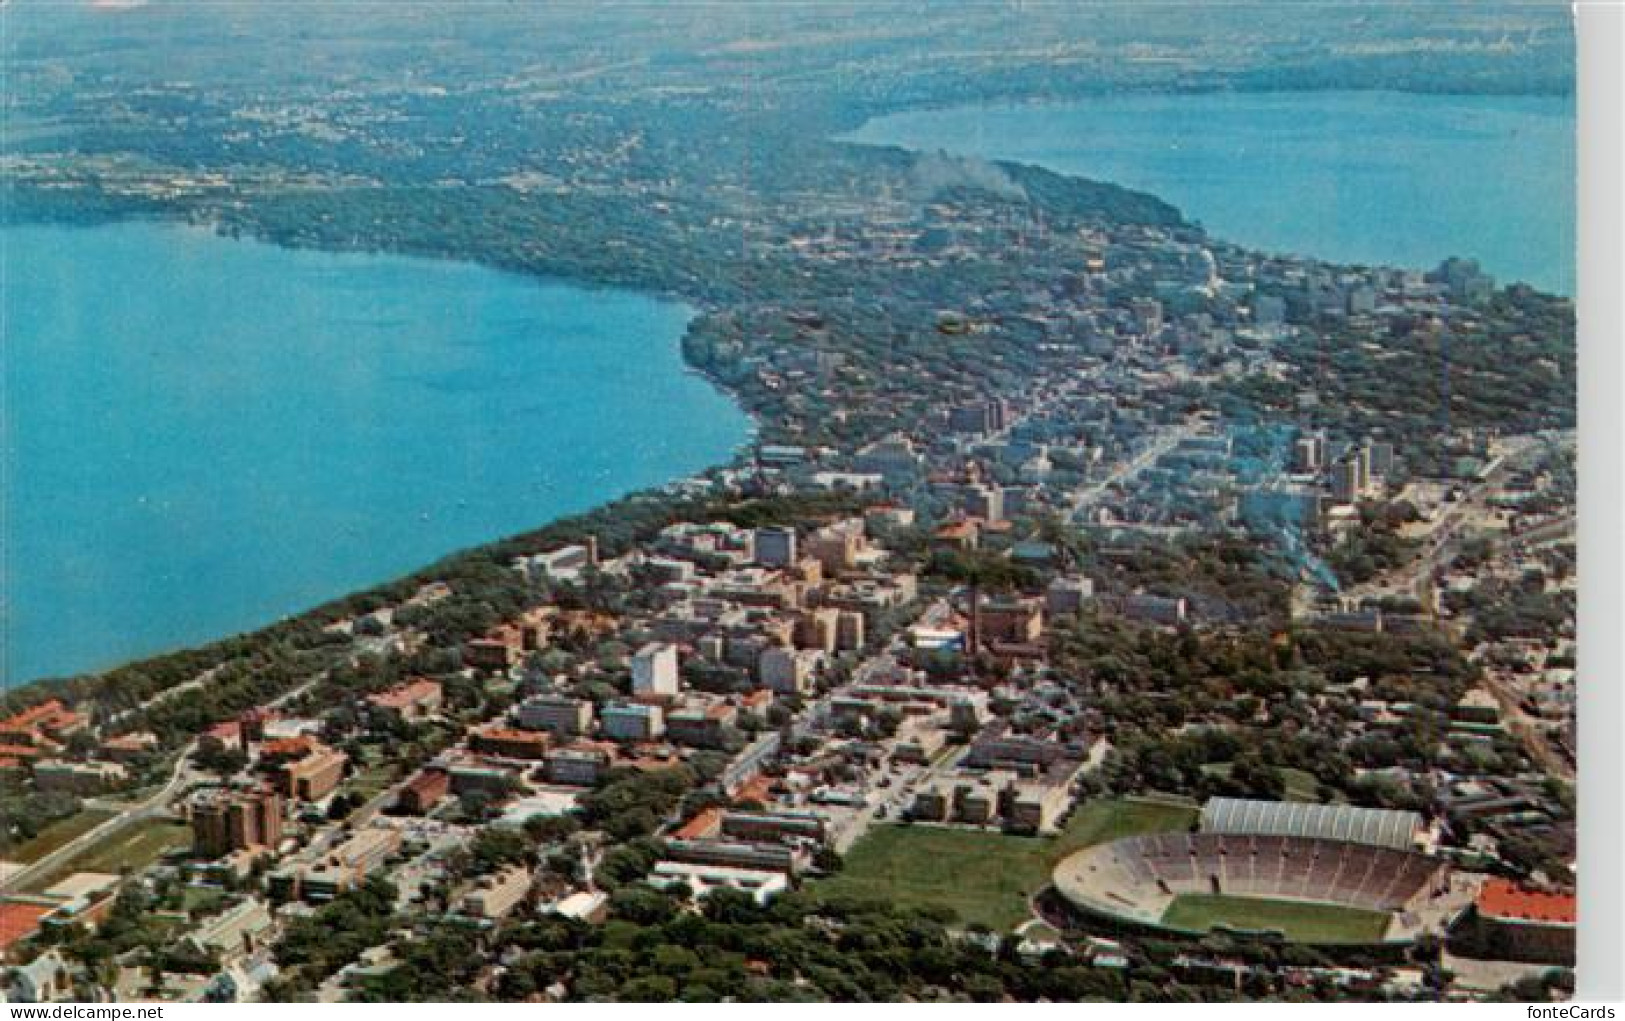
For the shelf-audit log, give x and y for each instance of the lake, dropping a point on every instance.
(203, 435)
(1356, 177)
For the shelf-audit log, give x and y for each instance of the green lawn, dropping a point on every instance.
(1305, 923)
(134, 847)
(986, 878)
(1300, 786)
(54, 836)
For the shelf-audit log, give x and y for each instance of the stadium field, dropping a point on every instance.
(1298, 921)
(985, 877)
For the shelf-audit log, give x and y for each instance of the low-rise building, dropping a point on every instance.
(246, 927)
(1517, 923)
(424, 791)
(575, 766)
(632, 721)
(1018, 621)
(701, 726)
(312, 775)
(770, 857)
(508, 743)
(555, 714)
(55, 775)
(767, 827)
(496, 895)
(415, 700)
(1169, 612)
(340, 869)
(761, 884)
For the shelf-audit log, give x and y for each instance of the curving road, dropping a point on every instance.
(156, 804)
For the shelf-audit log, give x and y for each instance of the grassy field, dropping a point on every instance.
(54, 836)
(136, 847)
(986, 878)
(1306, 923)
(1300, 786)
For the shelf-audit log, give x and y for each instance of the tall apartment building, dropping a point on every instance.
(236, 820)
(1351, 476)
(654, 670)
(1309, 453)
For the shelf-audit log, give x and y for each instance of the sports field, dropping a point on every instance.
(1300, 922)
(985, 877)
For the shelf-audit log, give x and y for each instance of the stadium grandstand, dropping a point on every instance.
(1375, 827)
(1335, 877)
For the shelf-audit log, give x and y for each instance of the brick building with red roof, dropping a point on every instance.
(1519, 923)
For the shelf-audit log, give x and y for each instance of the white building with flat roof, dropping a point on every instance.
(702, 879)
(654, 670)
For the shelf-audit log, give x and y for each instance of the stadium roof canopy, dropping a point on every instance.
(1375, 826)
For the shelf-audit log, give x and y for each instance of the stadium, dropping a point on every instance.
(1312, 874)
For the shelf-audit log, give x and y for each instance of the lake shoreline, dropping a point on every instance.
(557, 356)
(696, 304)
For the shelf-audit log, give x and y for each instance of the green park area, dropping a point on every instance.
(985, 877)
(1297, 921)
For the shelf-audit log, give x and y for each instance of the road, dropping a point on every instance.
(181, 776)
(163, 696)
(1529, 732)
(1089, 494)
(1441, 543)
(155, 805)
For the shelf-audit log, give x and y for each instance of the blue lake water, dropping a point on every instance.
(203, 435)
(1358, 177)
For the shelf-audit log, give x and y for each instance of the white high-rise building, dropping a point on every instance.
(654, 670)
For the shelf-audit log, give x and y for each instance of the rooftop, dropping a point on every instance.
(1501, 898)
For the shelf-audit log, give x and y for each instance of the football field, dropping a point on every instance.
(1296, 920)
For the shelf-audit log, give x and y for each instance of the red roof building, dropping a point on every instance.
(414, 700)
(19, 920)
(36, 724)
(508, 743)
(424, 791)
(1503, 899)
(704, 825)
(1516, 923)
